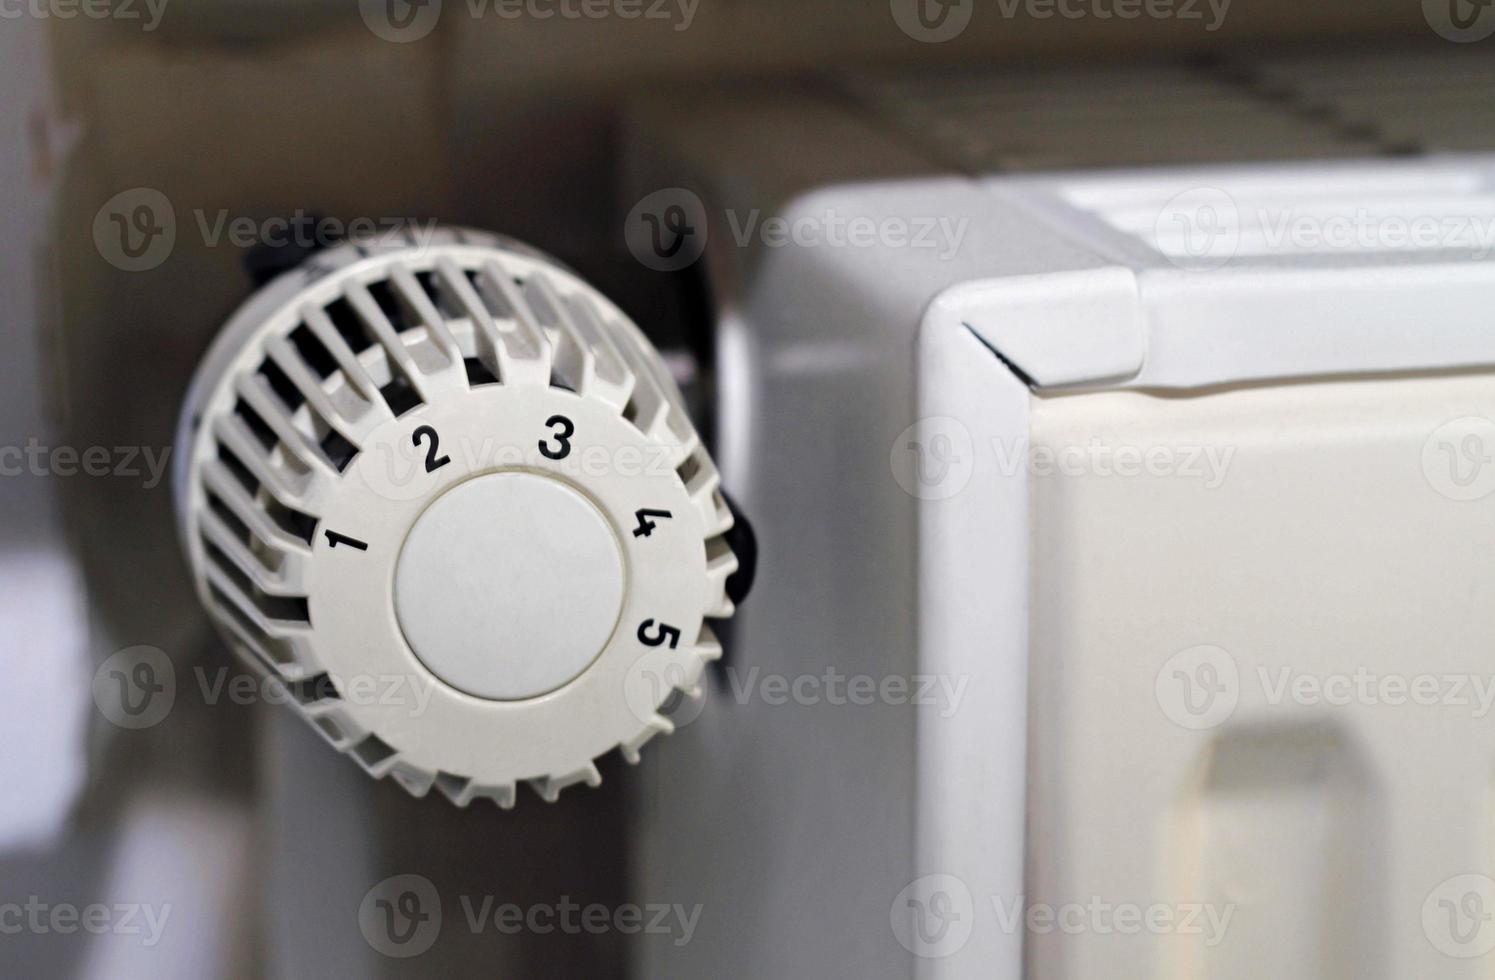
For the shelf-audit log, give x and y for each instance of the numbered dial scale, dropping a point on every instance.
(448, 493)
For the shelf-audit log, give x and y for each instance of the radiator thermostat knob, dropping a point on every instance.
(448, 494)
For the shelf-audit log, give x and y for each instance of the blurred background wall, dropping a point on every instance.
(261, 108)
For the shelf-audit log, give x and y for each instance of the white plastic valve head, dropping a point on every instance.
(447, 493)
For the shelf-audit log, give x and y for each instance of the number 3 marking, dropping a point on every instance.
(562, 438)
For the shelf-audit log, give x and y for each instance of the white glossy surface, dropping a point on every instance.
(509, 585)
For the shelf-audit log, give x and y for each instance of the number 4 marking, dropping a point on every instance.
(645, 526)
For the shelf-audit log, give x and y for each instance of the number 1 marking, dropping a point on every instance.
(334, 539)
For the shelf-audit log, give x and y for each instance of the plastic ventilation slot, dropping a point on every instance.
(277, 607)
(256, 425)
(285, 389)
(402, 390)
(230, 520)
(331, 731)
(721, 513)
(374, 754)
(688, 471)
(271, 651)
(500, 297)
(452, 787)
(348, 326)
(240, 472)
(300, 525)
(312, 351)
(612, 379)
(338, 450)
(309, 691)
(478, 373)
(720, 564)
(400, 396)
(571, 363)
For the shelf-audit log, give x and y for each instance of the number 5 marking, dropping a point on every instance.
(661, 634)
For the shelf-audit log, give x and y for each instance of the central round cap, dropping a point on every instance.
(509, 585)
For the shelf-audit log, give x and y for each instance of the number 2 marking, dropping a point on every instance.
(433, 463)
